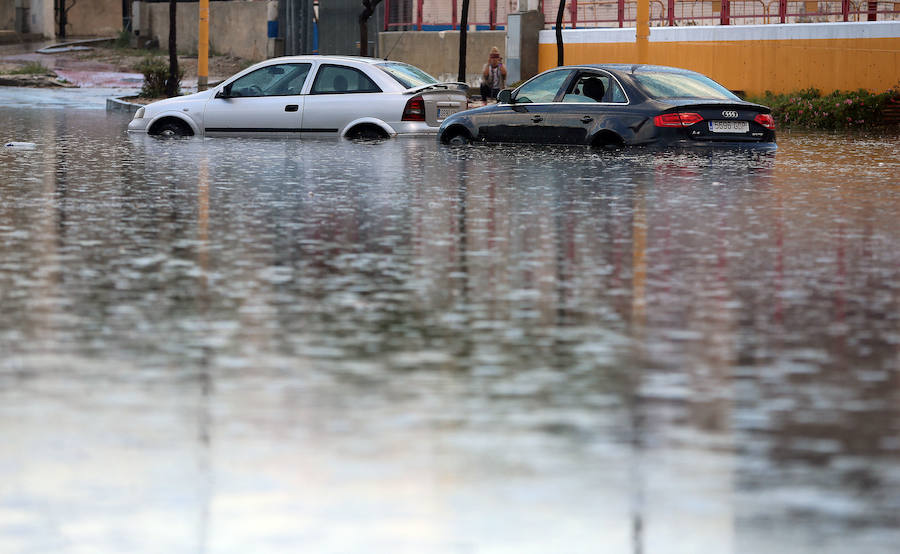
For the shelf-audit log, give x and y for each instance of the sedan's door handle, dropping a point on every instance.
(537, 118)
(291, 108)
(587, 119)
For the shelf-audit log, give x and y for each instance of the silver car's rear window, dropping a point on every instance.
(665, 84)
(407, 75)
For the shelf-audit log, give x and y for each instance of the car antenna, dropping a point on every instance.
(386, 56)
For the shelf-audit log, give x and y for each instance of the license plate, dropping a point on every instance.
(729, 126)
(444, 113)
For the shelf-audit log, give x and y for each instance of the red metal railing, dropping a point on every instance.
(491, 14)
(623, 13)
(434, 13)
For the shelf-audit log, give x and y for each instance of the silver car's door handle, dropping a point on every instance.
(537, 119)
(587, 119)
(291, 108)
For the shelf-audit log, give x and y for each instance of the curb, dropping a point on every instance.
(75, 44)
(120, 105)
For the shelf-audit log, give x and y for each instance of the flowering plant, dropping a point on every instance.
(838, 110)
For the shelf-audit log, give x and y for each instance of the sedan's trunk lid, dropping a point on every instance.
(440, 103)
(726, 121)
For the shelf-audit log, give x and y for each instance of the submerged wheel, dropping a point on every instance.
(367, 132)
(607, 140)
(172, 128)
(459, 139)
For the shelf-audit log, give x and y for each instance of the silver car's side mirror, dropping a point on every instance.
(224, 92)
(505, 96)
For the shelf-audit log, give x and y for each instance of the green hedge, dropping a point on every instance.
(838, 110)
(156, 71)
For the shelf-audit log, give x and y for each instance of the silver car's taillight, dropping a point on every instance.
(414, 110)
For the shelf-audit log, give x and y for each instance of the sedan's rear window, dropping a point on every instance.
(407, 75)
(664, 84)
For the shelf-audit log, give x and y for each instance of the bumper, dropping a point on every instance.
(138, 125)
(414, 128)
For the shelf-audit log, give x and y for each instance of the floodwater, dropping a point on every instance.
(281, 346)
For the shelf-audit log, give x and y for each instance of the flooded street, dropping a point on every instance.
(233, 346)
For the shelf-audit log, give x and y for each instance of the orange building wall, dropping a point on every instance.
(754, 66)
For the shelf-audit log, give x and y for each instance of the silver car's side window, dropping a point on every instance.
(595, 87)
(542, 88)
(339, 79)
(274, 80)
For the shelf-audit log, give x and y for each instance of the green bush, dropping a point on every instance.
(155, 72)
(838, 110)
(123, 40)
(31, 68)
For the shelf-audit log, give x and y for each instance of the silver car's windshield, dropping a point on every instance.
(407, 75)
(665, 84)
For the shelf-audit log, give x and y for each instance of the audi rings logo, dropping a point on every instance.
(729, 114)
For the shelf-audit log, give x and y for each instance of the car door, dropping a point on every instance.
(525, 118)
(593, 100)
(341, 94)
(264, 102)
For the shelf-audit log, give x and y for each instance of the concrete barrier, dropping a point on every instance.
(121, 105)
(752, 58)
(235, 28)
(437, 52)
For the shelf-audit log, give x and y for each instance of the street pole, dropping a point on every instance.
(203, 47)
(463, 39)
(643, 30)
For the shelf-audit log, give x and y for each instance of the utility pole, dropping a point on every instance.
(203, 46)
(642, 35)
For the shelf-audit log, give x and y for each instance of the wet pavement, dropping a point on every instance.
(230, 345)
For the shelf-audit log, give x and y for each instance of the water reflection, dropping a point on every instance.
(227, 345)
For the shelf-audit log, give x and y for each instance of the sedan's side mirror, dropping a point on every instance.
(224, 92)
(505, 96)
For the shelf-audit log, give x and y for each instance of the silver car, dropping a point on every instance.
(310, 96)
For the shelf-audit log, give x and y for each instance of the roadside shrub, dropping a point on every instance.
(31, 68)
(124, 39)
(838, 110)
(155, 72)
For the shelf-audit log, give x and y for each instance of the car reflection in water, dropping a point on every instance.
(520, 348)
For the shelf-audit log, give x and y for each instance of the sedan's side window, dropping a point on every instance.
(542, 88)
(594, 87)
(338, 79)
(274, 80)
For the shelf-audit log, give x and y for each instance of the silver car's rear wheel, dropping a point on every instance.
(366, 132)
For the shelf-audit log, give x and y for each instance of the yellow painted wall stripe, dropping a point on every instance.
(754, 65)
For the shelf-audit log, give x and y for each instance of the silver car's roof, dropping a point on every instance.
(311, 57)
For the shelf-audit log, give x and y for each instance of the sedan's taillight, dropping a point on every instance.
(766, 120)
(677, 119)
(414, 110)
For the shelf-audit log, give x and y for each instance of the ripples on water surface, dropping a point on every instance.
(269, 346)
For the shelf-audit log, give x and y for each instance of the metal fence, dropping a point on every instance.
(491, 14)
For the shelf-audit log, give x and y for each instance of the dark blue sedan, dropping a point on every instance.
(615, 105)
